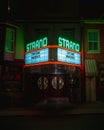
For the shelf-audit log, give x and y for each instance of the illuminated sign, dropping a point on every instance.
(68, 56)
(37, 56)
(68, 44)
(37, 44)
(44, 42)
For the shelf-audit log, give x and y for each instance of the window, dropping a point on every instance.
(93, 41)
(10, 40)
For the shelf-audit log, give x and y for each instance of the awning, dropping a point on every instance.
(91, 69)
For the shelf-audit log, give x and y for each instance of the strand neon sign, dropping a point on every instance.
(44, 42)
(37, 44)
(68, 44)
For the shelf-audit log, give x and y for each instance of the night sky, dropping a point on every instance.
(92, 9)
(89, 9)
(92, 0)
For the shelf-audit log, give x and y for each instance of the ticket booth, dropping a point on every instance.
(52, 72)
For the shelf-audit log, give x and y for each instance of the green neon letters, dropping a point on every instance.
(37, 44)
(68, 44)
(44, 42)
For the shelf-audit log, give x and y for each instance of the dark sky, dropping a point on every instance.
(92, 9)
(91, 0)
(43, 8)
(30, 8)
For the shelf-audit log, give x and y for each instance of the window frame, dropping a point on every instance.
(12, 40)
(98, 42)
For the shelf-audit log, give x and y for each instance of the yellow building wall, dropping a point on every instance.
(19, 54)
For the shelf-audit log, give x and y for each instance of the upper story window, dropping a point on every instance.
(10, 40)
(93, 41)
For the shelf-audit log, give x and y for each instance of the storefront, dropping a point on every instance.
(91, 73)
(11, 87)
(52, 71)
(11, 64)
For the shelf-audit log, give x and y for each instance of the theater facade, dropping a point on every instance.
(53, 64)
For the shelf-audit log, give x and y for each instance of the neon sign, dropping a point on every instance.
(37, 44)
(68, 44)
(37, 56)
(44, 42)
(68, 56)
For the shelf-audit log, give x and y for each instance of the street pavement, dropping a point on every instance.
(56, 109)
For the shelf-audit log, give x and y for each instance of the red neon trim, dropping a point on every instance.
(51, 46)
(51, 63)
(56, 46)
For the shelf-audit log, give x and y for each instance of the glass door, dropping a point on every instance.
(57, 85)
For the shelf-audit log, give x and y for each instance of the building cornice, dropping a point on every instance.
(93, 21)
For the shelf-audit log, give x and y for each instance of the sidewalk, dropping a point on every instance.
(87, 108)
